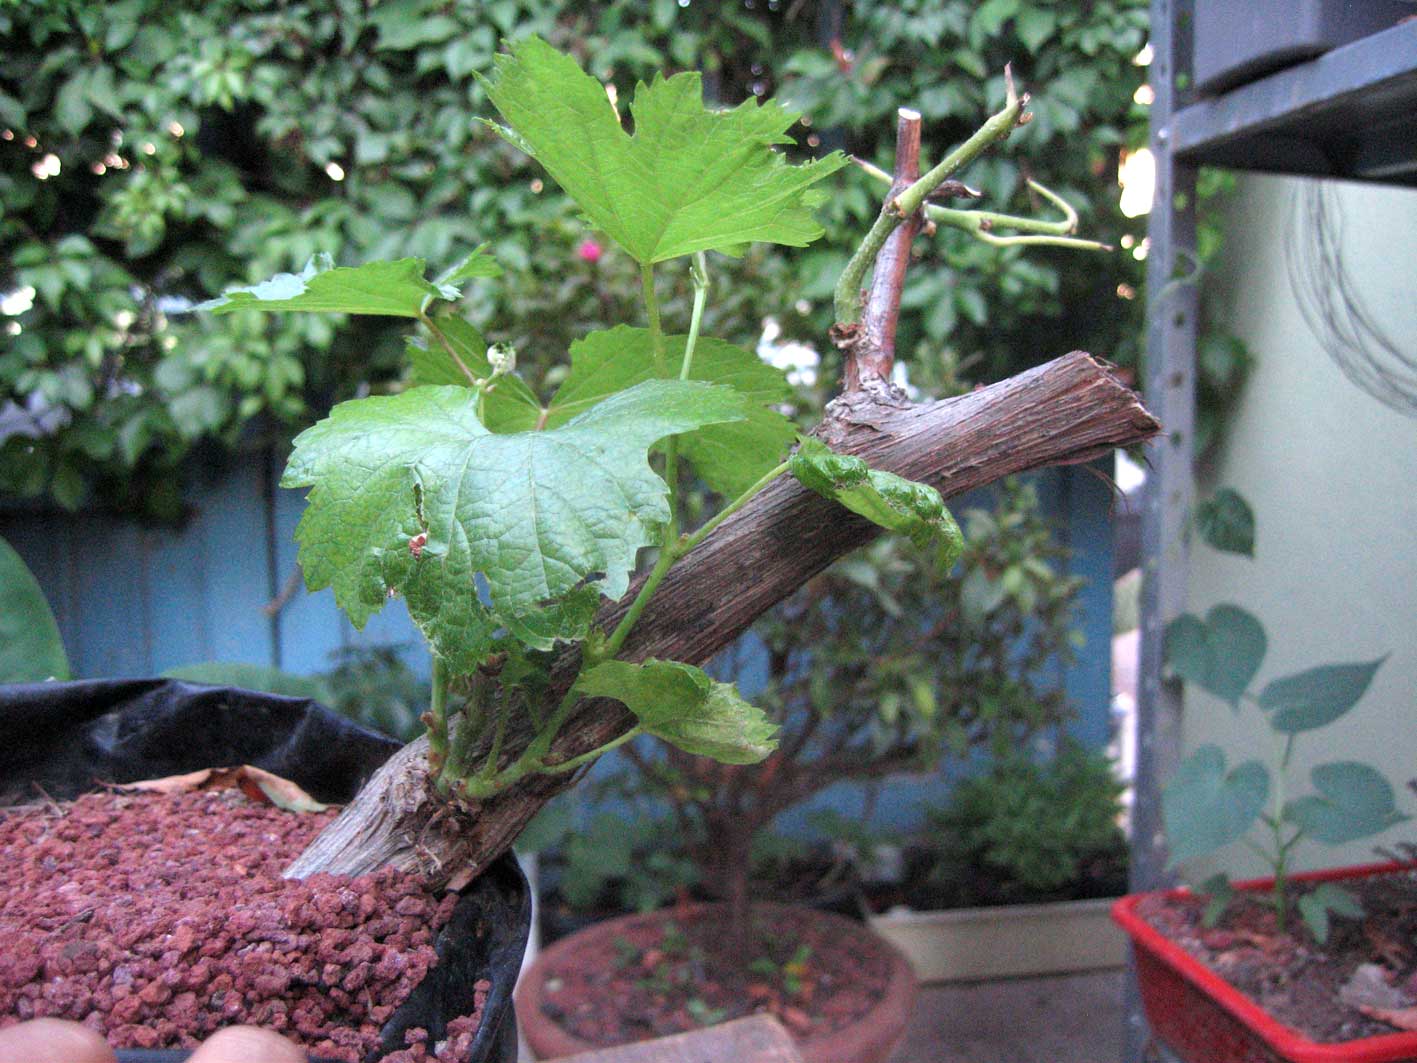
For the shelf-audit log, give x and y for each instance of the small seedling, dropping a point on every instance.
(1207, 806)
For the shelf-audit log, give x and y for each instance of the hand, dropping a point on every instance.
(55, 1041)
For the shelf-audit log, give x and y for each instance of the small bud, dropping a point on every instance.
(590, 251)
(502, 357)
(417, 543)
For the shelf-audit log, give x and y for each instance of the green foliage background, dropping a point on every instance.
(199, 146)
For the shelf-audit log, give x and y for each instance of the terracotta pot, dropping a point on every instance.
(1204, 1019)
(871, 1039)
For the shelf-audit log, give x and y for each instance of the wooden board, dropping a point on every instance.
(759, 1039)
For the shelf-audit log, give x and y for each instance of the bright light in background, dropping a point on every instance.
(1144, 57)
(17, 302)
(1128, 474)
(46, 167)
(1145, 95)
(1137, 176)
(336, 171)
(175, 128)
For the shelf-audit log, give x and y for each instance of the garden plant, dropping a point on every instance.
(1299, 965)
(503, 521)
(1207, 805)
(890, 662)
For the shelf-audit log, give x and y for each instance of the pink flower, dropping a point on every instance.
(590, 251)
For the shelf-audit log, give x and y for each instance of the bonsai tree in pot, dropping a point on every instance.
(1221, 965)
(888, 663)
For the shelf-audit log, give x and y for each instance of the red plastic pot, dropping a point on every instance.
(870, 1039)
(1204, 1019)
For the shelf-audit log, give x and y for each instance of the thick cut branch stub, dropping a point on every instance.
(1070, 410)
(869, 351)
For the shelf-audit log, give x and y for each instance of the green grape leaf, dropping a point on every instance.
(477, 264)
(683, 706)
(1317, 696)
(1204, 807)
(689, 178)
(730, 457)
(1227, 523)
(31, 649)
(411, 493)
(509, 405)
(1221, 653)
(383, 289)
(1354, 801)
(896, 504)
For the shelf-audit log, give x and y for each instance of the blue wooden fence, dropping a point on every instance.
(134, 601)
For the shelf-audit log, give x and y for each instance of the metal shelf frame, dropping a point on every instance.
(1350, 113)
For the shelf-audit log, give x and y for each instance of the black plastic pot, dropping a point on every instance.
(65, 737)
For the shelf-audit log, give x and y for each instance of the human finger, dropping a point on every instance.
(53, 1041)
(246, 1044)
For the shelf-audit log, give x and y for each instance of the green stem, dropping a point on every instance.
(672, 553)
(438, 723)
(489, 769)
(666, 558)
(586, 758)
(1281, 863)
(698, 270)
(896, 209)
(691, 541)
(443, 341)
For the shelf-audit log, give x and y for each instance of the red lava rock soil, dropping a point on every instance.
(1288, 974)
(680, 975)
(159, 918)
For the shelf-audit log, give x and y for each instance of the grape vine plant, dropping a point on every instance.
(501, 519)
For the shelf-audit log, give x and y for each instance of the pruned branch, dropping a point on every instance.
(1069, 410)
(869, 362)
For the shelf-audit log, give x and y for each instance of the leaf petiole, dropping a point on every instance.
(671, 553)
(586, 758)
(896, 209)
(437, 334)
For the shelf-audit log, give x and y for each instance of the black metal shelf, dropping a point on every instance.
(1350, 113)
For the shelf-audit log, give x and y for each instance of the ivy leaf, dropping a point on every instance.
(1317, 696)
(1356, 801)
(1227, 523)
(509, 405)
(1221, 653)
(1326, 897)
(683, 706)
(730, 457)
(896, 504)
(383, 289)
(689, 179)
(1204, 807)
(537, 515)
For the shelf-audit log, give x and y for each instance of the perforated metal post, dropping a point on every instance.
(1170, 394)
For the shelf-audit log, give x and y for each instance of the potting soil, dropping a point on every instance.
(159, 918)
(1298, 981)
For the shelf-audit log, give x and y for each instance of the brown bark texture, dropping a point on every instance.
(1067, 411)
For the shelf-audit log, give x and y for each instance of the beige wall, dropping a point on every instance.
(1332, 475)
